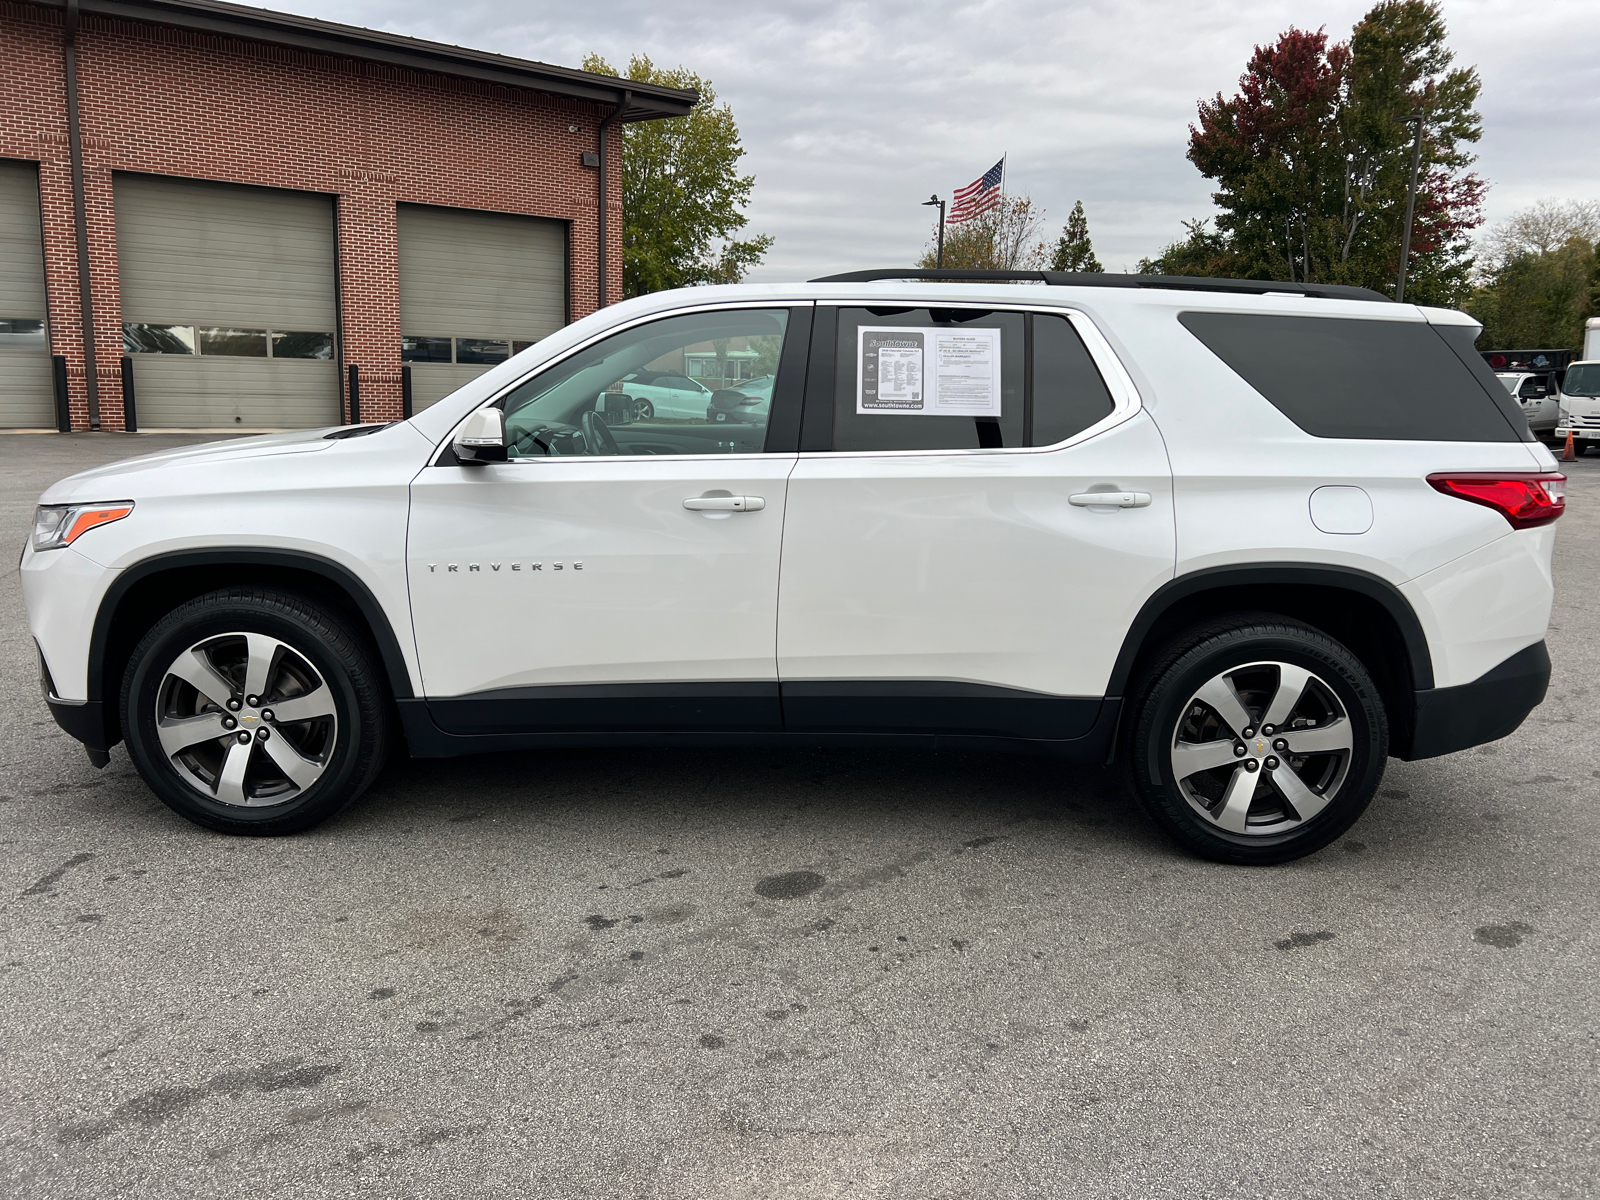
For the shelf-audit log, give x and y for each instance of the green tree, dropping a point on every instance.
(1538, 274)
(1074, 252)
(1312, 158)
(1006, 238)
(682, 193)
(1203, 252)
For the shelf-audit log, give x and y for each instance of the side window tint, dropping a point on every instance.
(1068, 393)
(1338, 377)
(928, 379)
(628, 394)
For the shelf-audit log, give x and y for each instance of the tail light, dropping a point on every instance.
(1523, 500)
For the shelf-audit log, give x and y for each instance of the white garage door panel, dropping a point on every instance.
(219, 254)
(432, 382)
(175, 391)
(27, 391)
(27, 399)
(476, 274)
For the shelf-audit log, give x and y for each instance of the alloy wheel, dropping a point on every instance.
(1262, 748)
(246, 720)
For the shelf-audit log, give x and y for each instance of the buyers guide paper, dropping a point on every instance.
(929, 371)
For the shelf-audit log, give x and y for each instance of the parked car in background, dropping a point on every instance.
(665, 394)
(1579, 403)
(749, 401)
(1537, 394)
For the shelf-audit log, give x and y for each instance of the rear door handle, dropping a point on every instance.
(1110, 499)
(725, 503)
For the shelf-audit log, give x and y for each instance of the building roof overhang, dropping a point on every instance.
(645, 101)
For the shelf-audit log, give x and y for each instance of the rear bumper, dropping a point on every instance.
(1487, 709)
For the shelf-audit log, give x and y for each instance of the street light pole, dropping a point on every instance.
(939, 256)
(1411, 204)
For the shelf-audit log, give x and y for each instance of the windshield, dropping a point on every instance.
(1583, 379)
(1509, 382)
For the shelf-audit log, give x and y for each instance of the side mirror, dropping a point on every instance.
(614, 408)
(482, 438)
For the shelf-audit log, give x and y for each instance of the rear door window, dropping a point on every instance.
(906, 378)
(1337, 377)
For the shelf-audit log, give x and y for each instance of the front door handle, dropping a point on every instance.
(1110, 499)
(725, 503)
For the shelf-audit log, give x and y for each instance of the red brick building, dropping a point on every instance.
(268, 202)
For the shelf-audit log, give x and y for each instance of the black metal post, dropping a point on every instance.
(405, 392)
(130, 413)
(58, 371)
(939, 254)
(1411, 204)
(355, 394)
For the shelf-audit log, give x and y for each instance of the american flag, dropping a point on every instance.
(979, 196)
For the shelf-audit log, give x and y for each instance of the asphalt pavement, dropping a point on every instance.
(811, 974)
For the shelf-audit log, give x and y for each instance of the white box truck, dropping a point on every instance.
(1579, 399)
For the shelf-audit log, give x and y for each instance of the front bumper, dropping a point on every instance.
(1489, 708)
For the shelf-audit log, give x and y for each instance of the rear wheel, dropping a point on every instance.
(1258, 740)
(254, 711)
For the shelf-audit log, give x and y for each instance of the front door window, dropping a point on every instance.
(631, 394)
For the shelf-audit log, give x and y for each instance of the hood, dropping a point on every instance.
(91, 485)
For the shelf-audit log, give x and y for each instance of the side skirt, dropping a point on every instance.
(427, 739)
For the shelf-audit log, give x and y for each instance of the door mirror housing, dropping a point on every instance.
(481, 438)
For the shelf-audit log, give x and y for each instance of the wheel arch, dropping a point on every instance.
(1363, 611)
(144, 592)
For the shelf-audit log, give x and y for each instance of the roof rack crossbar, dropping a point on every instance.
(1191, 283)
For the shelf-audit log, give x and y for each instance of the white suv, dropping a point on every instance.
(1249, 539)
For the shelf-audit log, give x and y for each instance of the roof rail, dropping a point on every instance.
(1187, 283)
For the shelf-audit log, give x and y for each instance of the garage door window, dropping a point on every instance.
(461, 350)
(219, 341)
(239, 343)
(21, 333)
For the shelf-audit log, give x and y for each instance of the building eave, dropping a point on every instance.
(649, 102)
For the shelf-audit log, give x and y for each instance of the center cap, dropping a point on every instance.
(247, 717)
(1261, 745)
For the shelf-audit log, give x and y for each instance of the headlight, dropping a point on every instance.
(58, 525)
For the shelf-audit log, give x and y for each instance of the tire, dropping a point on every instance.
(643, 410)
(313, 740)
(1262, 804)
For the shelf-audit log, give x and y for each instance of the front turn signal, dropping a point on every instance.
(1525, 500)
(58, 525)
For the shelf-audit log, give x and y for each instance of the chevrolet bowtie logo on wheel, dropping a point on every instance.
(1261, 746)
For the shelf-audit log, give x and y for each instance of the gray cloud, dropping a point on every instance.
(853, 113)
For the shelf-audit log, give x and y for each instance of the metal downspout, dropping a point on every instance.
(80, 213)
(605, 179)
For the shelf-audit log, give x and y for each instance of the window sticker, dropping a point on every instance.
(932, 371)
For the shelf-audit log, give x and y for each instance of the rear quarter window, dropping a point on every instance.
(1336, 377)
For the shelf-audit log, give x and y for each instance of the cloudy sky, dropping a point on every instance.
(853, 113)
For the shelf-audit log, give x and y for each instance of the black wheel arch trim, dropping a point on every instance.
(1208, 579)
(223, 556)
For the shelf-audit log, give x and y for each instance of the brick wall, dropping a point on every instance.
(172, 102)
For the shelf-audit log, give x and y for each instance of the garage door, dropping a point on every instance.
(228, 304)
(27, 399)
(475, 287)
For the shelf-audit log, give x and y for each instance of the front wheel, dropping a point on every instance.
(254, 711)
(643, 410)
(1258, 741)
